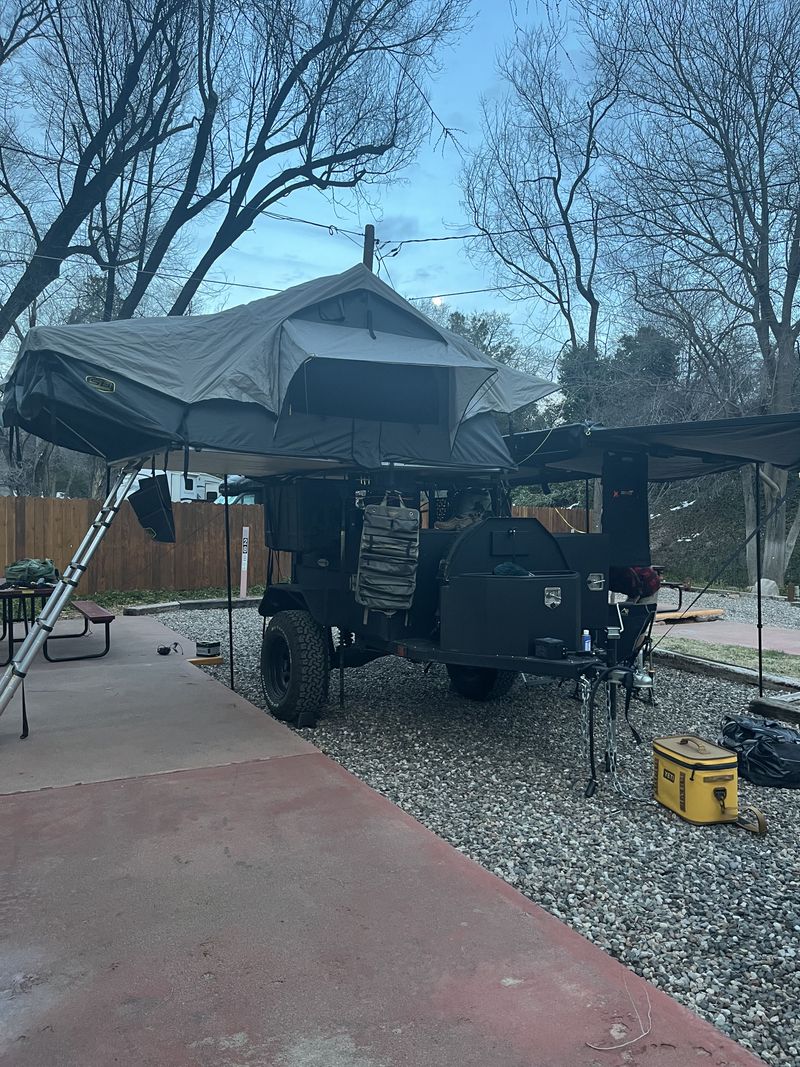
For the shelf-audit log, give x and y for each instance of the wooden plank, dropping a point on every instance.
(6, 529)
(777, 708)
(19, 529)
(690, 615)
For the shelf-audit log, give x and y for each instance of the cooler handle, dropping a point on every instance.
(693, 741)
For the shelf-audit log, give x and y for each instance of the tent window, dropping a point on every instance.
(378, 392)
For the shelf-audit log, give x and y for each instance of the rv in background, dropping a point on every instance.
(194, 487)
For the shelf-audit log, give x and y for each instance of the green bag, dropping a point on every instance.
(32, 572)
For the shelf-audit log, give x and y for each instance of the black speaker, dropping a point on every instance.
(153, 508)
(626, 512)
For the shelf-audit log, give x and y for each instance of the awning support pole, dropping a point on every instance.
(64, 590)
(758, 583)
(228, 571)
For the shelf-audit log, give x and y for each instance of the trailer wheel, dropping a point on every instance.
(295, 667)
(481, 683)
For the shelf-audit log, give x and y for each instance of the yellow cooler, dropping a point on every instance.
(695, 779)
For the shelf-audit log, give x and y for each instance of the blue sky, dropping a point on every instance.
(423, 202)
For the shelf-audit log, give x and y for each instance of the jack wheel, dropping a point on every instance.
(295, 667)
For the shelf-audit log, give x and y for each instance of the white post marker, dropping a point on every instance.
(245, 554)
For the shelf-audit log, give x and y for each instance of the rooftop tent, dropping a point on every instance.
(674, 451)
(340, 370)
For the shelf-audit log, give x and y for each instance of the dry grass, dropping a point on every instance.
(774, 662)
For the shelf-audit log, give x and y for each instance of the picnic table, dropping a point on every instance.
(19, 604)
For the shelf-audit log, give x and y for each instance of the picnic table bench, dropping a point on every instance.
(92, 614)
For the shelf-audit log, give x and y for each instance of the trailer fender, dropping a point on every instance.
(281, 598)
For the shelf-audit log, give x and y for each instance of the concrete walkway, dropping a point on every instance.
(741, 634)
(254, 905)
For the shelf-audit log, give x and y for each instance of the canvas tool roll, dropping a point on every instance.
(387, 559)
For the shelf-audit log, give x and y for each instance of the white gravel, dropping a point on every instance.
(709, 914)
(738, 607)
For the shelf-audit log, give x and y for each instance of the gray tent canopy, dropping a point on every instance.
(674, 451)
(340, 371)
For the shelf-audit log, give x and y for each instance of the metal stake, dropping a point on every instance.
(41, 629)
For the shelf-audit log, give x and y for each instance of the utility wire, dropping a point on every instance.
(154, 273)
(246, 285)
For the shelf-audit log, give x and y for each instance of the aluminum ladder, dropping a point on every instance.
(42, 627)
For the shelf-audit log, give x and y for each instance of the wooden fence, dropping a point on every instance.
(127, 559)
(558, 520)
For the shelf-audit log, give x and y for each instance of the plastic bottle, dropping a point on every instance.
(586, 641)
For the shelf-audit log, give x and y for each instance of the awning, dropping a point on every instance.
(675, 451)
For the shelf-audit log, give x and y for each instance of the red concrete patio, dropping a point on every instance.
(253, 904)
(741, 634)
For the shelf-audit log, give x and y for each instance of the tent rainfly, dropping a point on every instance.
(337, 372)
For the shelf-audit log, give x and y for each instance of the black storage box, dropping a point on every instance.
(302, 516)
(503, 615)
(549, 648)
(588, 554)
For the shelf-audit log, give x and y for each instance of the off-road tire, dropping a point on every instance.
(295, 666)
(481, 683)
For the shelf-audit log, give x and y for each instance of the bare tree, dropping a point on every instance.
(20, 23)
(707, 175)
(151, 118)
(108, 83)
(533, 188)
(325, 96)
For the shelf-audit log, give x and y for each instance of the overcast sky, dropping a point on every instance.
(424, 202)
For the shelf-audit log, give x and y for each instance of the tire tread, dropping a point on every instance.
(308, 646)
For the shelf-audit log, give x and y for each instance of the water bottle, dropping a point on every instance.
(586, 641)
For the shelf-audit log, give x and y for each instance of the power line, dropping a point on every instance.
(332, 228)
(467, 292)
(266, 288)
(154, 273)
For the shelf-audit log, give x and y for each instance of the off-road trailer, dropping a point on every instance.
(497, 597)
(368, 410)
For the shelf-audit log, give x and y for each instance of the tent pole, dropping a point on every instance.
(228, 575)
(586, 510)
(758, 582)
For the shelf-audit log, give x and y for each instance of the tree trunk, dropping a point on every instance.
(774, 484)
(40, 272)
(746, 474)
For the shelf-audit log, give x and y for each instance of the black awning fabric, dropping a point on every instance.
(675, 451)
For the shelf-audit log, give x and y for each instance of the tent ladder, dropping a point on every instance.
(42, 627)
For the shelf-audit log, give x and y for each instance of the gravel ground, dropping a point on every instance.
(711, 915)
(738, 607)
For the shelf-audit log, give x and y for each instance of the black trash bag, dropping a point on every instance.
(768, 752)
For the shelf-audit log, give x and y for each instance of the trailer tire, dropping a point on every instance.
(295, 666)
(481, 683)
